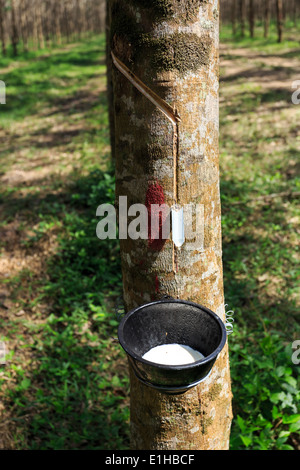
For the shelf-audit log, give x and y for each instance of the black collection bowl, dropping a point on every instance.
(166, 322)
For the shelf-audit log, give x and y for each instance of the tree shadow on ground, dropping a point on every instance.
(255, 256)
(264, 75)
(76, 392)
(30, 86)
(84, 102)
(248, 101)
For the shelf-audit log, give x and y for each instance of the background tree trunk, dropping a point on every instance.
(264, 11)
(294, 13)
(176, 55)
(66, 21)
(110, 97)
(39, 21)
(251, 18)
(34, 22)
(78, 21)
(57, 17)
(48, 23)
(242, 16)
(266, 18)
(2, 26)
(279, 19)
(233, 17)
(14, 29)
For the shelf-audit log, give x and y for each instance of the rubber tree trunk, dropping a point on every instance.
(109, 84)
(172, 47)
(2, 27)
(233, 17)
(242, 8)
(251, 18)
(57, 18)
(279, 19)
(266, 18)
(23, 12)
(39, 20)
(14, 28)
(295, 11)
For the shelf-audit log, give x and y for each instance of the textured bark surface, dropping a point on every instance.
(172, 47)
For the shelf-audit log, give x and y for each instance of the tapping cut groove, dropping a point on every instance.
(171, 114)
(151, 95)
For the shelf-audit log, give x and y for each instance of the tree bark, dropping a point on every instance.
(233, 17)
(251, 18)
(35, 32)
(2, 30)
(78, 22)
(266, 18)
(110, 97)
(48, 22)
(173, 48)
(66, 22)
(295, 8)
(242, 16)
(26, 11)
(39, 20)
(279, 19)
(70, 14)
(14, 29)
(83, 18)
(57, 18)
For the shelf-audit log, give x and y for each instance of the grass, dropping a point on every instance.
(59, 389)
(259, 146)
(65, 384)
(289, 44)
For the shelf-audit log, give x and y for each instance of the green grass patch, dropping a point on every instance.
(259, 158)
(65, 385)
(261, 44)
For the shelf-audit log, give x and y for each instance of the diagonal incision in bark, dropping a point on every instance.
(146, 91)
(170, 113)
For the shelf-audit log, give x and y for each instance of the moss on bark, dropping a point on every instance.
(179, 10)
(179, 52)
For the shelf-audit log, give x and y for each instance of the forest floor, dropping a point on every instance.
(65, 384)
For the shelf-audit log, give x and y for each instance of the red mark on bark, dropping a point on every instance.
(155, 195)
